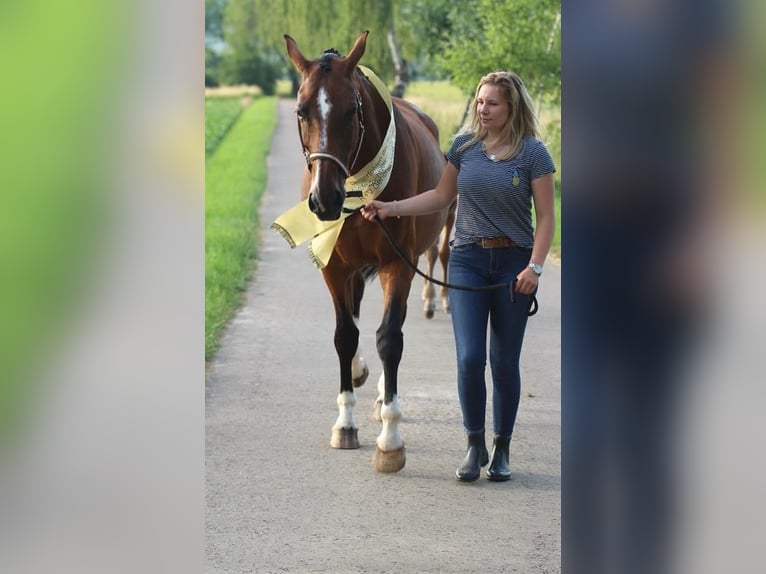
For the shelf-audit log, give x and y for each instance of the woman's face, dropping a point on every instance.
(492, 108)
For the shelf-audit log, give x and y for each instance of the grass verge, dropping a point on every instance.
(235, 177)
(220, 115)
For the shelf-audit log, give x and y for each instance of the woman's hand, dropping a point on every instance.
(382, 209)
(526, 282)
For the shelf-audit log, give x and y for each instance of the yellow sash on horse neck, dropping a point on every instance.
(298, 224)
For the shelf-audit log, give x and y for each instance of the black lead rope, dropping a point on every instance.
(533, 304)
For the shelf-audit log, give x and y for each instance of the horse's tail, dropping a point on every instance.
(369, 272)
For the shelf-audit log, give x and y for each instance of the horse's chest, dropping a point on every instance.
(357, 244)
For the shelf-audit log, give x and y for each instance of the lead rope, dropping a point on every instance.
(532, 308)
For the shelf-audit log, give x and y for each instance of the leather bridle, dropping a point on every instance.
(321, 154)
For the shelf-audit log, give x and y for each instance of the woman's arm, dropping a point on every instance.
(545, 222)
(427, 202)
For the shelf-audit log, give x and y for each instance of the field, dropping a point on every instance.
(235, 176)
(220, 115)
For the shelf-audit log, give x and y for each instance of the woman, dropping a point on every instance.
(498, 167)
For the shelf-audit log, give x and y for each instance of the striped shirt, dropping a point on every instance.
(495, 197)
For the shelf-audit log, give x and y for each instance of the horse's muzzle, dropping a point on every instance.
(328, 210)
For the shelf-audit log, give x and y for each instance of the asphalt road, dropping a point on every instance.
(279, 499)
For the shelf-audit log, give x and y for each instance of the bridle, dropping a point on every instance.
(316, 155)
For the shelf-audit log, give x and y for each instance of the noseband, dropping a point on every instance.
(312, 156)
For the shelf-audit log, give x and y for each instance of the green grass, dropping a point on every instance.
(60, 186)
(220, 115)
(446, 105)
(235, 177)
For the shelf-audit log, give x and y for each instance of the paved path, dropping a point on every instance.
(279, 499)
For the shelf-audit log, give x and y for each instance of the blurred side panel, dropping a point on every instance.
(661, 288)
(101, 287)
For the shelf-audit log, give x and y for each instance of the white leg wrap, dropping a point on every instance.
(389, 438)
(346, 403)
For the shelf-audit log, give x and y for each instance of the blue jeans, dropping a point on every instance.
(474, 266)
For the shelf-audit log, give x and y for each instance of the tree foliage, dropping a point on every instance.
(247, 58)
(463, 41)
(214, 20)
(460, 41)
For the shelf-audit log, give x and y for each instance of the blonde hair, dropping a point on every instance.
(522, 120)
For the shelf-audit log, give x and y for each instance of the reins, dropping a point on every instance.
(532, 308)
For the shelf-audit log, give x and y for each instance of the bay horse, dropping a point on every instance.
(440, 250)
(344, 125)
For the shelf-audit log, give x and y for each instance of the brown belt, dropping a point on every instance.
(492, 242)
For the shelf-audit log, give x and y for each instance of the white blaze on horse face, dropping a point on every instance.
(324, 105)
(346, 403)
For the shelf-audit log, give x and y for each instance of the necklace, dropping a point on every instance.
(491, 156)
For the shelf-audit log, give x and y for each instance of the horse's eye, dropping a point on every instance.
(301, 111)
(351, 113)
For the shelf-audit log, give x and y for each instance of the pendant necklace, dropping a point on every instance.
(491, 156)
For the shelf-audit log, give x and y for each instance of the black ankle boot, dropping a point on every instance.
(475, 457)
(499, 469)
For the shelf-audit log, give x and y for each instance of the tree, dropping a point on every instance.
(460, 41)
(463, 41)
(214, 10)
(246, 57)
(510, 36)
(212, 67)
(259, 26)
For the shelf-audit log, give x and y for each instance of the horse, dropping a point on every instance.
(344, 125)
(440, 250)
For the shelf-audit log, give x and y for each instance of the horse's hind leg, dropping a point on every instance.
(344, 293)
(444, 253)
(428, 288)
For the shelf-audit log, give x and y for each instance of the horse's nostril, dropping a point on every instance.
(313, 205)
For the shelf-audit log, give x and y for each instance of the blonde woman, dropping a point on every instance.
(498, 168)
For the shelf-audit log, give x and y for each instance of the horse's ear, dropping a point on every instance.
(357, 51)
(295, 54)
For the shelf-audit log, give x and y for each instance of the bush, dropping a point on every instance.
(251, 69)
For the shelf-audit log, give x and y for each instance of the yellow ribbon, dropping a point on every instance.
(298, 224)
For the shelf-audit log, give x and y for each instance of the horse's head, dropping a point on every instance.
(330, 123)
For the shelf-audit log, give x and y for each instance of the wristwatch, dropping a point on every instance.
(538, 269)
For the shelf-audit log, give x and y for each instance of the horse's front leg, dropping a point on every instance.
(389, 449)
(359, 369)
(345, 430)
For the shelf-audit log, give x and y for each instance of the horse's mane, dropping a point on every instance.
(328, 56)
